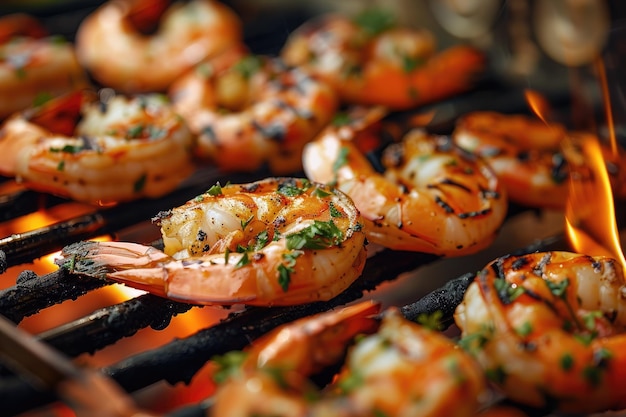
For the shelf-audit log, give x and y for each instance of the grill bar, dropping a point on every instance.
(181, 359)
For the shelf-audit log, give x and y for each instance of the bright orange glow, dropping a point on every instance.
(590, 212)
(538, 104)
(606, 99)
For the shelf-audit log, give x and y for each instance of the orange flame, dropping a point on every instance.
(538, 104)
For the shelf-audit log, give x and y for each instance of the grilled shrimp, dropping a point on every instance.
(529, 156)
(398, 369)
(278, 241)
(369, 60)
(121, 149)
(117, 45)
(548, 329)
(34, 66)
(249, 110)
(432, 196)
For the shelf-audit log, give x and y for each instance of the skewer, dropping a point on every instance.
(87, 391)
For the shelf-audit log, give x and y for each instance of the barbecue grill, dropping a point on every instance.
(420, 283)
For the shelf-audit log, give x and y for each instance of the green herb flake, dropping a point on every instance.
(61, 166)
(287, 268)
(68, 149)
(593, 375)
(341, 119)
(42, 98)
(245, 223)
(506, 291)
(289, 190)
(525, 329)
(558, 289)
(589, 319)
(215, 190)
(134, 132)
(319, 235)
(227, 365)
(243, 261)
(226, 255)
(248, 66)
(140, 183)
(496, 375)
(431, 321)
(410, 64)
(350, 383)
(342, 159)
(318, 192)
(375, 21)
(567, 361)
(334, 211)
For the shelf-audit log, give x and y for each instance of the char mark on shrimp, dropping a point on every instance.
(274, 131)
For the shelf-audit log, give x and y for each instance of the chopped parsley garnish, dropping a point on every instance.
(68, 149)
(558, 289)
(42, 98)
(289, 189)
(341, 119)
(411, 63)
(134, 132)
(243, 261)
(140, 183)
(525, 329)
(318, 192)
(61, 166)
(508, 292)
(567, 361)
(334, 212)
(319, 235)
(348, 384)
(215, 190)
(287, 268)
(431, 321)
(375, 21)
(227, 364)
(248, 66)
(245, 223)
(342, 159)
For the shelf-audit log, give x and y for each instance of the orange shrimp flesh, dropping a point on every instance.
(432, 196)
(252, 111)
(533, 159)
(279, 241)
(398, 368)
(119, 47)
(369, 60)
(94, 151)
(548, 328)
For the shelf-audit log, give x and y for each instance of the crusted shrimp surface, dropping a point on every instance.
(428, 195)
(119, 47)
(370, 60)
(252, 111)
(533, 159)
(34, 66)
(98, 151)
(394, 368)
(548, 329)
(277, 241)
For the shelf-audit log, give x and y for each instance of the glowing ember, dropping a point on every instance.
(590, 211)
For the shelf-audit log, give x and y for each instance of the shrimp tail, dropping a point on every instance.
(61, 114)
(138, 265)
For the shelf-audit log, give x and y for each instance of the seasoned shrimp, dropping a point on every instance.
(249, 110)
(528, 155)
(402, 369)
(112, 45)
(121, 149)
(432, 196)
(33, 65)
(369, 60)
(278, 241)
(548, 328)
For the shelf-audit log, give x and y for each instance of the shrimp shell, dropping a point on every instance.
(124, 149)
(279, 241)
(432, 197)
(548, 328)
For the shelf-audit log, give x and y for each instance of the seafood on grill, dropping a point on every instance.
(138, 46)
(98, 150)
(370, 60)
(533, 159)
(394, 367)
(33, 65)
(278, 241)
(428, 195)
(250, 111)
(548, 329)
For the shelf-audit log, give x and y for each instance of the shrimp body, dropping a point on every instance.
(111, 45)
(249, 111)
(387, 65)
(530, 157)
(398, 369)
(548, 328)
(278, 241)
(120, 150)
(33, 65)
(432, 196)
